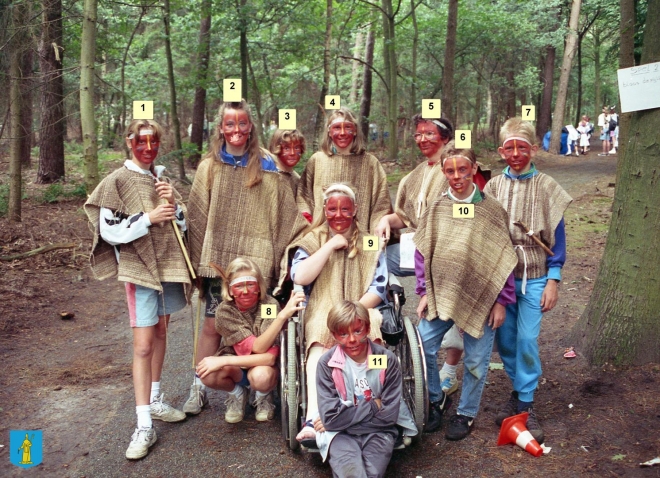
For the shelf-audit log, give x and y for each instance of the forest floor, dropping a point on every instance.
(72, 378)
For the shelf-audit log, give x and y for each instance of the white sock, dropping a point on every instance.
(259, 394)
(198, 381)
(143, 416)
(450, 369)
(155, 391)
(238, 391)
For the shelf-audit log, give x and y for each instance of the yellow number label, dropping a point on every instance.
(268, 311)
(377, 361)
(463, 139)
(431, 109)
(370, 243)
(464, 211)
(332, 102)
(231, 89)
(287, 119)
(529, 113)
(143, 110)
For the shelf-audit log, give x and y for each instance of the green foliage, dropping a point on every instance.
(56, 192)
(4, 199)
(53, 193)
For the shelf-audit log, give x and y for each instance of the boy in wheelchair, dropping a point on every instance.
(360, 408)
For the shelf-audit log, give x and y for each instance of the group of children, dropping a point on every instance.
(248, 227)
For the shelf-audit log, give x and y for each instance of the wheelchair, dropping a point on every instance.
(399, 335)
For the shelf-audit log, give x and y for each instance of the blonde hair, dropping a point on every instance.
(450, 150)
(343, 314)
(358, 146)
(517, 127)
(241, 266)
(255, 152)
(285, 136)
(137, 124)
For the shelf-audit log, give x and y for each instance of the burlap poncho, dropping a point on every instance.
(466, 261)
(363, 172)
(293, 178)
(417, 190)
(540, 203)
(340, 279)
(227, 220)
(146, 261)
(235, 326)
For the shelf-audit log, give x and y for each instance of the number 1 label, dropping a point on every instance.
(143, 110)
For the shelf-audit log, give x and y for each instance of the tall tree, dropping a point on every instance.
(199, 107)
(87, 119)
(626, 60)
(319, 119)
(545, 109)
(391, 72)
(355, 74)
(620, 324)
(562, 88)
(27, 85)
(51, 136)
(450, 58)
(367, 77)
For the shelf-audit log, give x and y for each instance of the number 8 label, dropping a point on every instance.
(268, 311)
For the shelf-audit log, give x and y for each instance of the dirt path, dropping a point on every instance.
(72, 379)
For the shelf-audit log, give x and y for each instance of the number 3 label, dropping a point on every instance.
(287, 119)
(463, 211)
(268, 311)
(377, 361)
(370, 243)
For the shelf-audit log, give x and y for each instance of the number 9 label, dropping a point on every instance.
(370, 243)
(268, 311)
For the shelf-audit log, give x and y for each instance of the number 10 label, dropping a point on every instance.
(463, 211)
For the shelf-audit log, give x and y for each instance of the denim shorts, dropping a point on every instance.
(145, 305)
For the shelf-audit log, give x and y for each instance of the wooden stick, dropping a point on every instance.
(534, 238)
(183, 249)
(40, 250)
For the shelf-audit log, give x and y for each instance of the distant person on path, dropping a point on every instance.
(583, 128)
(133, 208)
(604, 124)
(614, 130)
(535, 199)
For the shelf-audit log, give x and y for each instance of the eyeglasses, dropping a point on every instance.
(429, 135)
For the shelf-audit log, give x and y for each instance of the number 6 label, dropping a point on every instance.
(268, 311)
(463, 139)
(463, 211)
(377, 361)
(370, 243)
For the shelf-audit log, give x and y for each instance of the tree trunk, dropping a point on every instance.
(244, 50)
(626, 60)
(620, 324)
(122, 74)
(415, 46)
(199, 106)
(544, 116)
(510, 89)
(51, 135)
(578, 103)
(355, 73)
(257, 102)
(389, 55)
(598, 100)
(365, 103)
(319, 118)
(26, 101)
(562, 90)
(450, 57)
(176, 128)
(87, 120)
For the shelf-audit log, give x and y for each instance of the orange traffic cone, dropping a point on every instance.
(514, 430)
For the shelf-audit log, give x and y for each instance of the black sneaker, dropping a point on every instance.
(436, 410)
(509, 409)
(459, 427)
(533, 425)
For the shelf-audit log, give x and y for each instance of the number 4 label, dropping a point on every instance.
(332, 102)
(463, 211)
(377, 361)
(268, 311)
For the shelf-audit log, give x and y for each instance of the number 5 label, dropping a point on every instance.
(463, 211)
(431, 109)
(268, 311)
(377, 361)
(370, 243)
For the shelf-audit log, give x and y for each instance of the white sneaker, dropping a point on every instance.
(448, 384)
(265, 408)
(196, 401)
(613, 151)
(236, 407)
(162, 411)
(141, 440)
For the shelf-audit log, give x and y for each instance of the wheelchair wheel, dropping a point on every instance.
(289, 386)
(413, 371)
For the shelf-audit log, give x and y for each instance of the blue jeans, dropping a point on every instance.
(393, 261)
(475, 363)
(517, 339)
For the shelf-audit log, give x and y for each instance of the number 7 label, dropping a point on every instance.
(528, 113)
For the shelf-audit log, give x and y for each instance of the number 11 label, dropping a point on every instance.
(463, 211)
(377, 361)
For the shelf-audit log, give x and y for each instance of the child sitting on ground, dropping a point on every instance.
(248, 351)
(360, 407)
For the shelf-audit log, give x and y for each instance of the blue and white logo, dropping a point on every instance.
(25, 447)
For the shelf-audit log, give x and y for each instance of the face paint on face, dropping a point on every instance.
(245, 294)
(290, 153)
(428, 139)
(145, 146)
(517, 153)
(339, 211)
(354, 340)
(236, 127)
(460, 174)
(342, 133)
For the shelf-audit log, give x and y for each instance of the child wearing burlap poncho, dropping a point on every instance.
(343, 159)
(288, 146)
(126, 211)
(539, 202)
(332, 259)
(239, 206)
(463, 267)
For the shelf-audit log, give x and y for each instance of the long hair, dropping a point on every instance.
(255, 152)
(358, 146)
